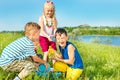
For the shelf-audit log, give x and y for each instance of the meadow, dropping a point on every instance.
(101, 62)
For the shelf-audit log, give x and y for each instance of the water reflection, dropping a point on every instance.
(108, 40)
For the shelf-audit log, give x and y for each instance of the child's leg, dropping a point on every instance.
(53, 45)
(60, 66)
(23, 66)
(73, 74)
(28, 68)
(44, 43)
(23, 73)
(45, 56)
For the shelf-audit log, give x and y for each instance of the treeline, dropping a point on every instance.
(13, 32)
(87, 30)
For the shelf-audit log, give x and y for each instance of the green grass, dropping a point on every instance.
(101, 62)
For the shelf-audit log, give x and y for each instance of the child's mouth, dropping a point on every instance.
(62, 42)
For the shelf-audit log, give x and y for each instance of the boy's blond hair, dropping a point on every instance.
(31, 26)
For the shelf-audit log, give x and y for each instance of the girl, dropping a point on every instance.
(48, 25)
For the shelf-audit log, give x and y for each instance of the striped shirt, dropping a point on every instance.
(17, 50)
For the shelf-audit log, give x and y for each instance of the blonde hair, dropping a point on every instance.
(31, 26)
(51, 4)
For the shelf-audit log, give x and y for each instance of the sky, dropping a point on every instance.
(14, 14)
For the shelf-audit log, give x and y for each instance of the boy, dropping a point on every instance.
(69, 61)
(15, 56)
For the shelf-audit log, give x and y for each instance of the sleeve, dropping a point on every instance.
(30, 50)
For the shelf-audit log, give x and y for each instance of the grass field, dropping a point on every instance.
(101, 62)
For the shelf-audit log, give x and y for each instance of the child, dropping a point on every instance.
(48, 25)
(15, 56)
(70, 61)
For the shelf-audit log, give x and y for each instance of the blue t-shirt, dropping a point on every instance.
(77, 62)
(20, 49)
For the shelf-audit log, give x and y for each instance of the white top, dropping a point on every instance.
(48, 30)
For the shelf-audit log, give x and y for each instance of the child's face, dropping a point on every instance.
(49, 11)
(61, 39)
(35, 35)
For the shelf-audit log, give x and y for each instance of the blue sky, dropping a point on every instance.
(14, 14)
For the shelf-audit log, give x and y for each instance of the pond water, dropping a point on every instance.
(108, 40)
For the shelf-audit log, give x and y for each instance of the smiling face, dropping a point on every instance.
(49, 9)
(61, 39)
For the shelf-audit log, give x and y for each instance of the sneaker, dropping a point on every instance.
(17, 78)
(51, 70)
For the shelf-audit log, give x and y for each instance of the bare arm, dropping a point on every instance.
(55, 25)
(70, 55)
(39, 60)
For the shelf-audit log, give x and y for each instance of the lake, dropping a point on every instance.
(108, 40)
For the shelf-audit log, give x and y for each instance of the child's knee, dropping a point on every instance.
(30, 66)
(73, 74)
(60, 66)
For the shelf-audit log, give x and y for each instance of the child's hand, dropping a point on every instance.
(53, 38)
(49, 38)
(46, 65)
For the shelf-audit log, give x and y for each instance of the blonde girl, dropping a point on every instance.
(48, 25)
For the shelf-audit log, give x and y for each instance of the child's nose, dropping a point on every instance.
(49, 12)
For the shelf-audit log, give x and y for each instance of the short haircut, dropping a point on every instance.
(60, 31)
(31, 26)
